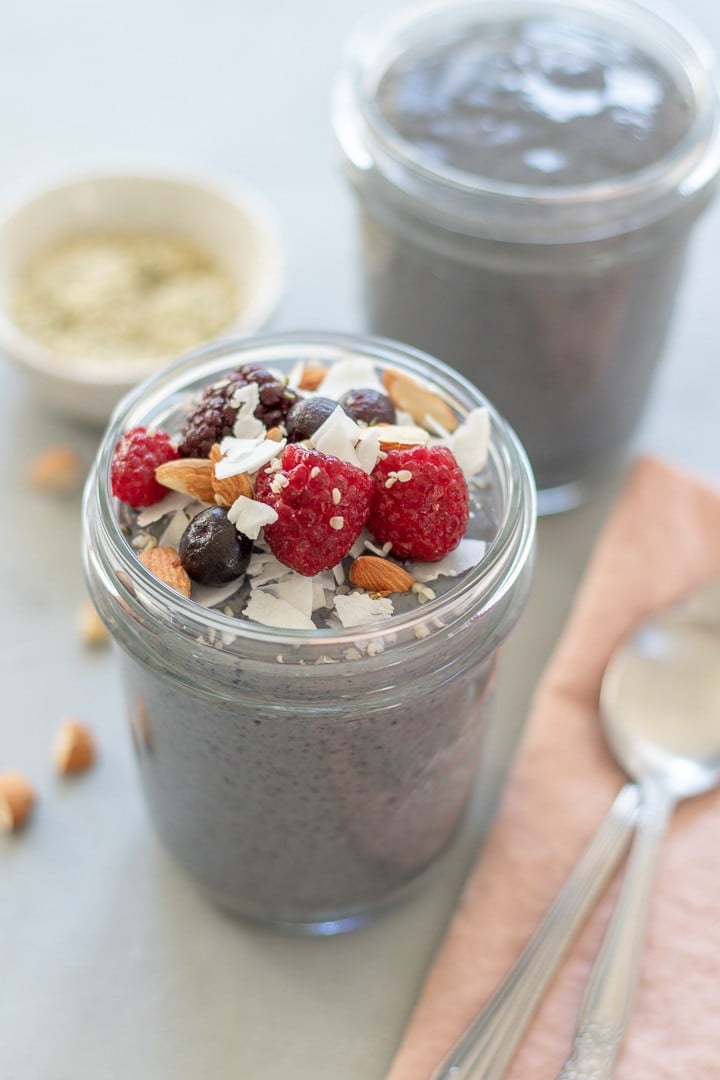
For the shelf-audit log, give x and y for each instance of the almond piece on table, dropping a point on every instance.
(17, 799)
(74, 748)
(312, 376)
(377, 575)
(92, 629)
(164, 563)
(410, 396)
(57, 469)
(189, 476)
(226, 491)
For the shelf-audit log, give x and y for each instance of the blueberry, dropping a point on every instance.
(368, 406)
(306, 416)
(212, 550)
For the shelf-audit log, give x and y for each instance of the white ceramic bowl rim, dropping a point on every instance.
(267, 285)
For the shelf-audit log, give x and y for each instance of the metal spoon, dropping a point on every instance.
(488, 1045)
(660, 707)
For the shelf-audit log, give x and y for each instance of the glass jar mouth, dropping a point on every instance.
(145, 598)
(513, 210)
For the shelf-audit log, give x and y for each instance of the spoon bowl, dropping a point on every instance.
(660, 702)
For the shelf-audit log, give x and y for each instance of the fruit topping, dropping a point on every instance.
(420, 502)
(306, 416)
(321, 503)
(368, 407)
(212, 551)
(215, 414)
(132, 472)
(275, 397)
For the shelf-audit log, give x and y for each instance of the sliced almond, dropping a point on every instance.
(189, 476)
(381, 576)
(410, 396)
(91, 627)
(226, 491)
(17, 798)
(312, 376)
(57, 469)
(164, 563)
(399, 436)
(74, 748)
(275, 433)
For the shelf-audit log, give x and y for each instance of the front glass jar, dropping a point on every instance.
(308, 777)
(527, 175)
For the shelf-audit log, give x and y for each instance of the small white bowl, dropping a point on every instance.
(229, 221)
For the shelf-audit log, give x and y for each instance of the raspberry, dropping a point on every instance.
(424, 515)
(132, 472)
(214, 415)
(321, 502)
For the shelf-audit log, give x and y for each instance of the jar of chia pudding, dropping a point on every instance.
(527, 174)
(308, 739)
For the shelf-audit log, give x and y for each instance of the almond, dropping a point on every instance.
(377, 575)
(56, 469)
(226, 491)
(189, 476)
(74, 748)
(312, 376)
(275, 433)
(17, 798)
(400, 436)
(164, 563)
(92, 629)
(410, 396)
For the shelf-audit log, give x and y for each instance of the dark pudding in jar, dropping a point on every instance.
(519, 178)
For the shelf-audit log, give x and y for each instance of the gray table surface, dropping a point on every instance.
(110, 964)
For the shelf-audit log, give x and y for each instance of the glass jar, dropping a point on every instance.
(307, 778)
(554, 298)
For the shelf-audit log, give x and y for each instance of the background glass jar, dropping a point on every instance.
(554, 298)
(307, 778)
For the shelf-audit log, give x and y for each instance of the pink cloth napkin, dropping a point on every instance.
(662, 541)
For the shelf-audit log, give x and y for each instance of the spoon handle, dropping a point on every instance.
(487, 1046)
(609, 995)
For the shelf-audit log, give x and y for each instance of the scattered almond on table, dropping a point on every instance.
(17, 799)
(74, 749)
(92, 629)
(56, 469)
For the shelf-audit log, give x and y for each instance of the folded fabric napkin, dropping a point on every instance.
(662, 541)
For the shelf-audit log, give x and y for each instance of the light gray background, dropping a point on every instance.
(110, 965)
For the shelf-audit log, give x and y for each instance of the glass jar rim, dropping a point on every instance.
(483, 586)
(516, 211)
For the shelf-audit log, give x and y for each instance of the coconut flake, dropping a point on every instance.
(212, 595)
(295, 589)
(470, 442)
(270, 610)
(245, 455)
(337, 437)
(246, 400)
(176, 526)
(174, 500)
(355, 373)
(249, 516)
(467, 554)
(368, 449)
(358, 608)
